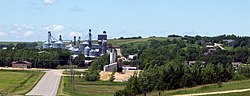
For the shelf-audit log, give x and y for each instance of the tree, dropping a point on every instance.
(112, 77)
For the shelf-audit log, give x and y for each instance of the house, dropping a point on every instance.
(236, 64)
(191, 63)
(230, 42)
(21, 64)
(125, 69)
(132, 56)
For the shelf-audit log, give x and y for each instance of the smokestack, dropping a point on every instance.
(104, 32)
(74, 40)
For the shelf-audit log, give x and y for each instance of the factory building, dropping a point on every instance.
(87, 47)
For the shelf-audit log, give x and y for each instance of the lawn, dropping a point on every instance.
(234, 85)
(85, 88)
(18, 82)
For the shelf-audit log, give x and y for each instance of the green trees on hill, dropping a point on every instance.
(165, 63)
(175, 75)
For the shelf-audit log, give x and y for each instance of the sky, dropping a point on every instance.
(30, 20)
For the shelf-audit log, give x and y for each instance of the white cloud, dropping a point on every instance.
(57, 28)
(77, 34)
(53, 28)
(2, 34)
(48, 2)
(23, 27)
(28, 33)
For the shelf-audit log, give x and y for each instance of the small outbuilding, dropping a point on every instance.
(21, 64)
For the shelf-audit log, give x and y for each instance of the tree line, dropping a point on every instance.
(46, 58)
(165, 63)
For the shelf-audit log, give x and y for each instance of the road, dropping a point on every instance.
(213, 93)
(48, 85)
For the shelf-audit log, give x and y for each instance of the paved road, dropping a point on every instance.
(48, 85)
(213, 93)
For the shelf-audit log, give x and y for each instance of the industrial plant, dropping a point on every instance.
(77, 47)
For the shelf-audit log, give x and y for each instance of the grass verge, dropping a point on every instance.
(234, 85)
(85, 88)
(18, 82)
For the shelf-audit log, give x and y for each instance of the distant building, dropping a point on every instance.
(132, 56)
(230, 42)
(77, 47)
(191, 63)
(236, 64)
(21, 64)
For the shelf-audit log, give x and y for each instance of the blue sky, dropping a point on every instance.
(29, 20)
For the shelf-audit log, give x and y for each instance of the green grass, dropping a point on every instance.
(85, 88)
(75, 72)
(246, 93)
(18, 82)
(119, 42)
(234, 85)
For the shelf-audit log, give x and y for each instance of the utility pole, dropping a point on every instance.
(72, 75)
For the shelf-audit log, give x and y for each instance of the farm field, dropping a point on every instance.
(18, 82)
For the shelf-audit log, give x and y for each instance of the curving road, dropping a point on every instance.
(48, 85)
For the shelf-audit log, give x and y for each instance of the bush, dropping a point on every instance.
(92, 75)
(119, 93)
(112, 77)
(238, 76)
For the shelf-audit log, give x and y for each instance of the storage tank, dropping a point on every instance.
(46, 45)
(83, 45)
(93, 53)
(86, 51)
(58, 44)
(75, 50)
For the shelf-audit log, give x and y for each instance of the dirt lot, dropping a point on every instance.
(119, 77)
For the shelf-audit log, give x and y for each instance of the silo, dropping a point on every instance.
(83, 45)
(46, 45)
(93, 53)
(59, 44)
(86, 51)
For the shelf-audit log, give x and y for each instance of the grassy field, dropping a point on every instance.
(119, 42)
(84, 88)
(234, 85)
(18, 82)
(115, 42)
(247, 93)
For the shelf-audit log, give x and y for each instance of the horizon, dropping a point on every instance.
(30, 20)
